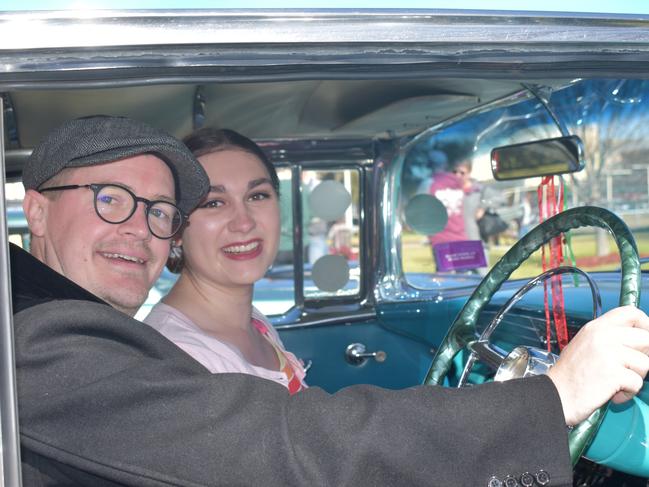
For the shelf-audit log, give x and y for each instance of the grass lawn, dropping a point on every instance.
(417, 255)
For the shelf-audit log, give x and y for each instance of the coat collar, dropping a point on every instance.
(33, 282)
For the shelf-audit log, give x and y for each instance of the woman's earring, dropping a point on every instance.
(176, 251)
(175, 260)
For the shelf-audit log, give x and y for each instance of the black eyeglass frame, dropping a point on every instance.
(97, 187)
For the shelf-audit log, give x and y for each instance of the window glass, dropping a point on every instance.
(275, 293)
(331, 232)
(454, 166)
(611, 117)
(18, 231)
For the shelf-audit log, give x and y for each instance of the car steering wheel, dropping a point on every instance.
(462, 332)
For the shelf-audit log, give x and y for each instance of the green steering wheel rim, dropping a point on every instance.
(462, 330)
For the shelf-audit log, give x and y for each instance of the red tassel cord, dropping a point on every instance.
(551, 202)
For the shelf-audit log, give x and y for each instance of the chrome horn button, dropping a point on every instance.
(525, 362)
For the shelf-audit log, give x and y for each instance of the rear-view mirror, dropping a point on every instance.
(538, 158)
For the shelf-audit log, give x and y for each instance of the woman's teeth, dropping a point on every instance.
(240, 249)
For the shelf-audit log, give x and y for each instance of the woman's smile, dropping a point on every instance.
(243, 250)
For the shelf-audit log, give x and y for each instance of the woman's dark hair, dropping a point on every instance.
(208, 140)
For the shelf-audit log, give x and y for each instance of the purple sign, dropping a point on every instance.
(459, 255)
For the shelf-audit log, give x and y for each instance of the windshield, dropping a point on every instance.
(452, 162)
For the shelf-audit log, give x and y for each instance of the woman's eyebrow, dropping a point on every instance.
(219, 188)
(258, 182)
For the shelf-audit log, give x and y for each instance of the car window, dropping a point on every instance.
(331, 233)
(326, 240)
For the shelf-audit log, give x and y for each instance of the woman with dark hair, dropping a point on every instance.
(229, 243)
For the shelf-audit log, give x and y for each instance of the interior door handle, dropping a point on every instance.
(357, 354)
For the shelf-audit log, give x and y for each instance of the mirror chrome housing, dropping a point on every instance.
(539, 158)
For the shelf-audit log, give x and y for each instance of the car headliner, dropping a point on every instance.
(270, 110)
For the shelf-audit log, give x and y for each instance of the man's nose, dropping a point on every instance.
(137, 225)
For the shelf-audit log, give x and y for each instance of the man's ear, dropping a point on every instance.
(35, 206)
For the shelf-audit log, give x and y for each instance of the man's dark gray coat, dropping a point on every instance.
(106, 400)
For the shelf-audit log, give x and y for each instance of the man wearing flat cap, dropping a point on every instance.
(105, 400)
(109, 164)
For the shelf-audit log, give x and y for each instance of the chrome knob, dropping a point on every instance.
(357, 354)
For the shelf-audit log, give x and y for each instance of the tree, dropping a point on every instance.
(612, 118)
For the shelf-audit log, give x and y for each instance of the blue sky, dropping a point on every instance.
(608, 6)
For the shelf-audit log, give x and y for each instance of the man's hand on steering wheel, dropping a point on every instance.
(606, 359)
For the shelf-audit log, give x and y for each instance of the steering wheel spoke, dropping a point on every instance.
(484, 352)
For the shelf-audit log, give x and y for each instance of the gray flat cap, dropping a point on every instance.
(99, 139)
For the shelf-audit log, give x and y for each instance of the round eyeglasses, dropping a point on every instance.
(116, 204)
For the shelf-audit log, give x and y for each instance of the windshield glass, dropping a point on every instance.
(453, 163)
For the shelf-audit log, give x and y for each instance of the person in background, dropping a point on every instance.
(448, 188)
(315, 228)
(472, 206)
(436, 162)
(340, 236)
(229, 243)
(528, 218)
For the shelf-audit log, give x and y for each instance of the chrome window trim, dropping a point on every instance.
(113, 28)
(10, 471)
(144, 47)
(298, 231)
(313, 320)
